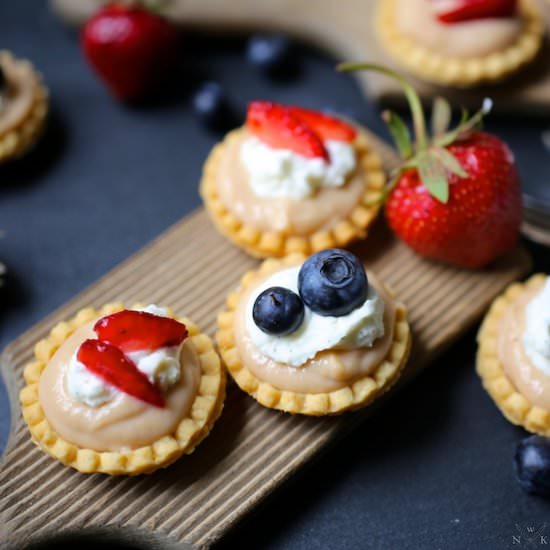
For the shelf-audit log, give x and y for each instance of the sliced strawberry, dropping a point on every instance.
(109, 363)
(138, 330)
(456, 11)
(326, 127)
(277, 127)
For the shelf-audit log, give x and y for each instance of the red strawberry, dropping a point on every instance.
(109, 363)
(138, 330)
(456, 198)
(326, 127)
(455, 11)
(277, 127)
(130, 48)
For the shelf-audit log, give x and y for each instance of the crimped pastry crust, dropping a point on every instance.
(513, 404)
(271, 243)
(360, 393)
(19, 139)
(461, 73)
(205, 409)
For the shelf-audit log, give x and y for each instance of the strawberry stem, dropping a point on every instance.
(417, 112)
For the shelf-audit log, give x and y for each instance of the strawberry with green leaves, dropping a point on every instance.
(456, 196)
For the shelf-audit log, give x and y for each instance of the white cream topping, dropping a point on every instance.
(162, 367)
(536, 336)
(359, 328)
(283, 173)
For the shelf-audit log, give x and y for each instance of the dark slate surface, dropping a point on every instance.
(432, 469)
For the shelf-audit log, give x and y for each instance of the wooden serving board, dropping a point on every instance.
(345, 29)
(251, 449)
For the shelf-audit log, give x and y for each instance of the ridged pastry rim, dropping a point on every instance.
(264, 244)
(19, 139)
(363, 391)
(511, 402)
(192, 429)
(452, 71)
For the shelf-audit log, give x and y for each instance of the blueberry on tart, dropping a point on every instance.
(314, 336)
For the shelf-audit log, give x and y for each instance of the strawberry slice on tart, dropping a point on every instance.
(456, 196)
(457, 11)
(277, 127)
(325, 126)
(109, 363)
(132, 330)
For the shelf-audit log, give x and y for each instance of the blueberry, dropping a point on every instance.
(333, 282)
(278, 310)
(210, 104)
(269, 52)
(532, 461)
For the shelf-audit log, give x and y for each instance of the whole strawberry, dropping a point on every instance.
(130, 48)
(456, 198)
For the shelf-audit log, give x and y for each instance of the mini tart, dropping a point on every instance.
(24, 129)
(462, 73)
(358, 394)
(263, 244)
(513, 404)
(192, 429)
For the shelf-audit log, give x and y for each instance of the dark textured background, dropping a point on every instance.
(432, 469)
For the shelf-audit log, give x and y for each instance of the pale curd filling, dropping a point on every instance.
(162, 367)
(474, 38)
(18, 100)
(123, 422)
(320, 212)
(283, 173)
(536, 336)
(358, 329)
(330, 369)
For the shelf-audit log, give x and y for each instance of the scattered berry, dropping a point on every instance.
(110, 364)
(130, 48)
(138, 330)
(271, 53)
(211, 105)
(278, 310)
(466, 10)
(325, 126)
(333, 282)
(277, 127)
(532, 462)
(457, 196)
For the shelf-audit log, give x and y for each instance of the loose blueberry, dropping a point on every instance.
(532, 461)
(278, 310)
(269, 52)
(211, 105)
(333, 282)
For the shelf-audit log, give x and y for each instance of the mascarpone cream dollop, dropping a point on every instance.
(283, 173)
(536, 335)
(358, 329)
(123, 422)
(162, 367)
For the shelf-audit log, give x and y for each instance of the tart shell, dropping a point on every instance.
(513, 404)
(205, 409)
(24, 135)
(263, 244)
(452, 71)
(358, 394)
